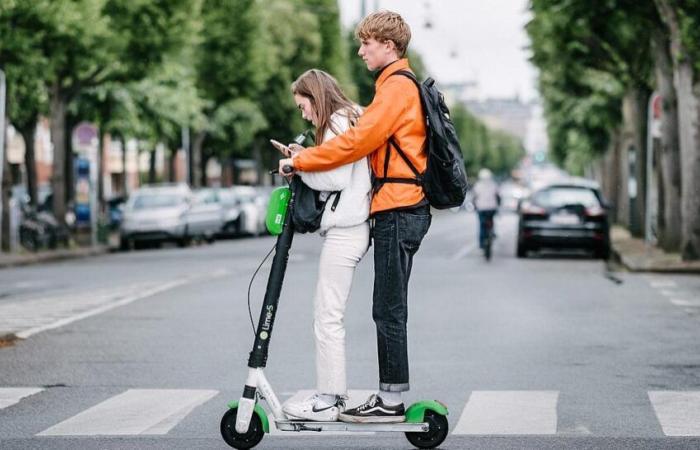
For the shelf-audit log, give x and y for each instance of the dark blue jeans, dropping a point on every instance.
(397, 236)
(485, 216)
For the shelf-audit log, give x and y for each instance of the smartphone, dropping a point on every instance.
(283, 148)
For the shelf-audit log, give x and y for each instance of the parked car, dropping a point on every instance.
(205, 217)
(245, 210)
(156, 214)
(564, 215)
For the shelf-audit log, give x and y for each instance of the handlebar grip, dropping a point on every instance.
(287, 169)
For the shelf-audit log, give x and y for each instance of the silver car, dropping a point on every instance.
(205, 218)
(156, 214)
(244, 210)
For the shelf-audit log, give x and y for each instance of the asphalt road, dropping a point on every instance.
(144, 349)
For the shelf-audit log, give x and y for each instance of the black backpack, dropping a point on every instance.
(308, 206)
(445, 179)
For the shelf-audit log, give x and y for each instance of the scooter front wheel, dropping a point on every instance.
(437, 431)
(237, 440)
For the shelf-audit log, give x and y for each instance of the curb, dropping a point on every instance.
(641, 263)
(12, 260)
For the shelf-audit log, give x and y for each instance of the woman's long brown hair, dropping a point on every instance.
(326, 98)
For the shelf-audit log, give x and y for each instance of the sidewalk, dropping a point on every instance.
(26, 258)
(634, 255)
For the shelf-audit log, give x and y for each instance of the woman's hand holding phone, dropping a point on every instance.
(286, 151)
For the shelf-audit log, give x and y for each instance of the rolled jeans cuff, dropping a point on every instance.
(394, 387)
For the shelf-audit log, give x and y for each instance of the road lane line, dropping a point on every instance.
(466, 250)
(677, 412)
(114, 301)
(662, 283)
(134, 412)
(100, 309)
(11, 396)
(509, 412)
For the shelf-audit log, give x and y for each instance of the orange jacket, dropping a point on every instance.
(395, 111)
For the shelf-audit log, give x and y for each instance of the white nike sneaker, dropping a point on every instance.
(313, 408)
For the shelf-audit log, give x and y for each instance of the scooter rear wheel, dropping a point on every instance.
(437, 431)
(237, 440)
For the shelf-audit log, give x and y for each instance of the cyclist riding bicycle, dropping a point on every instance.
(486, 201)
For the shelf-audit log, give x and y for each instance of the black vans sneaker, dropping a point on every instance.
(374, 411)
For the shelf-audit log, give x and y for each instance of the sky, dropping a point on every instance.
(470, 40)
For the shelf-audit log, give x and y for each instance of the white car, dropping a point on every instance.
(156, 214)
(246, 210)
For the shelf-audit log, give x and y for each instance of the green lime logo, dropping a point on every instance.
(264, 335)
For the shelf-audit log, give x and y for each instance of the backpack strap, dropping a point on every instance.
(336, 200)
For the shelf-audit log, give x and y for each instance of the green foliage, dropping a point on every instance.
(23, 62)
(588, 53)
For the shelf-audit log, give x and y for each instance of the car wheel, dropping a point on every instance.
(125, 244)
(603, 252)
(521, 251)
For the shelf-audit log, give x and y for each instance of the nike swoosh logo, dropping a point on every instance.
(313, 408)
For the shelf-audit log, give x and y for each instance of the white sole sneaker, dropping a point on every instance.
(309, 410)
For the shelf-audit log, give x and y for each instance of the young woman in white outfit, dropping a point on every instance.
(346, 240)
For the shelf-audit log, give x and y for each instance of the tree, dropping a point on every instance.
(23, 64)
(600, 39)
(681, 19)
(87, 43)
(232, 63)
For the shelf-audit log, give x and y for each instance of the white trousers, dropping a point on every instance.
(342, 250)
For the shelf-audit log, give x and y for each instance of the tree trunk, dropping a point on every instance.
(634, 116)
(172, 166)
(100, 171)
(5, 196)
(152, 166)
(669, 162)
(125, 181)
(28, 134)
(621, 177)
(196, 160)
(688, 132)
(204, 181)
(58, 139)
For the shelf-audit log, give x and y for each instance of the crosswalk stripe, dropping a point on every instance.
(133, 412)
(677, 412)
(11, 396)
(509, 412)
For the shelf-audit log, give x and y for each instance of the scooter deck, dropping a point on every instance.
(303, 425)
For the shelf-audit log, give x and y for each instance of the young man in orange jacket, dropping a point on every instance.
(399, 208)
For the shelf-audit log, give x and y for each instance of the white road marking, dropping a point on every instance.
(11, 396)
(134, 412)
(658, 283)
(678, 412)
(681, 302)
(463, 252)
(668, 292)
(509, 412)
(28, 317)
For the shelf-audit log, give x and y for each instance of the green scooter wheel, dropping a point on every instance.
(437, 431)
(237, 440)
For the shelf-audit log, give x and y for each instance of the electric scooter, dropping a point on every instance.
(245, 423)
